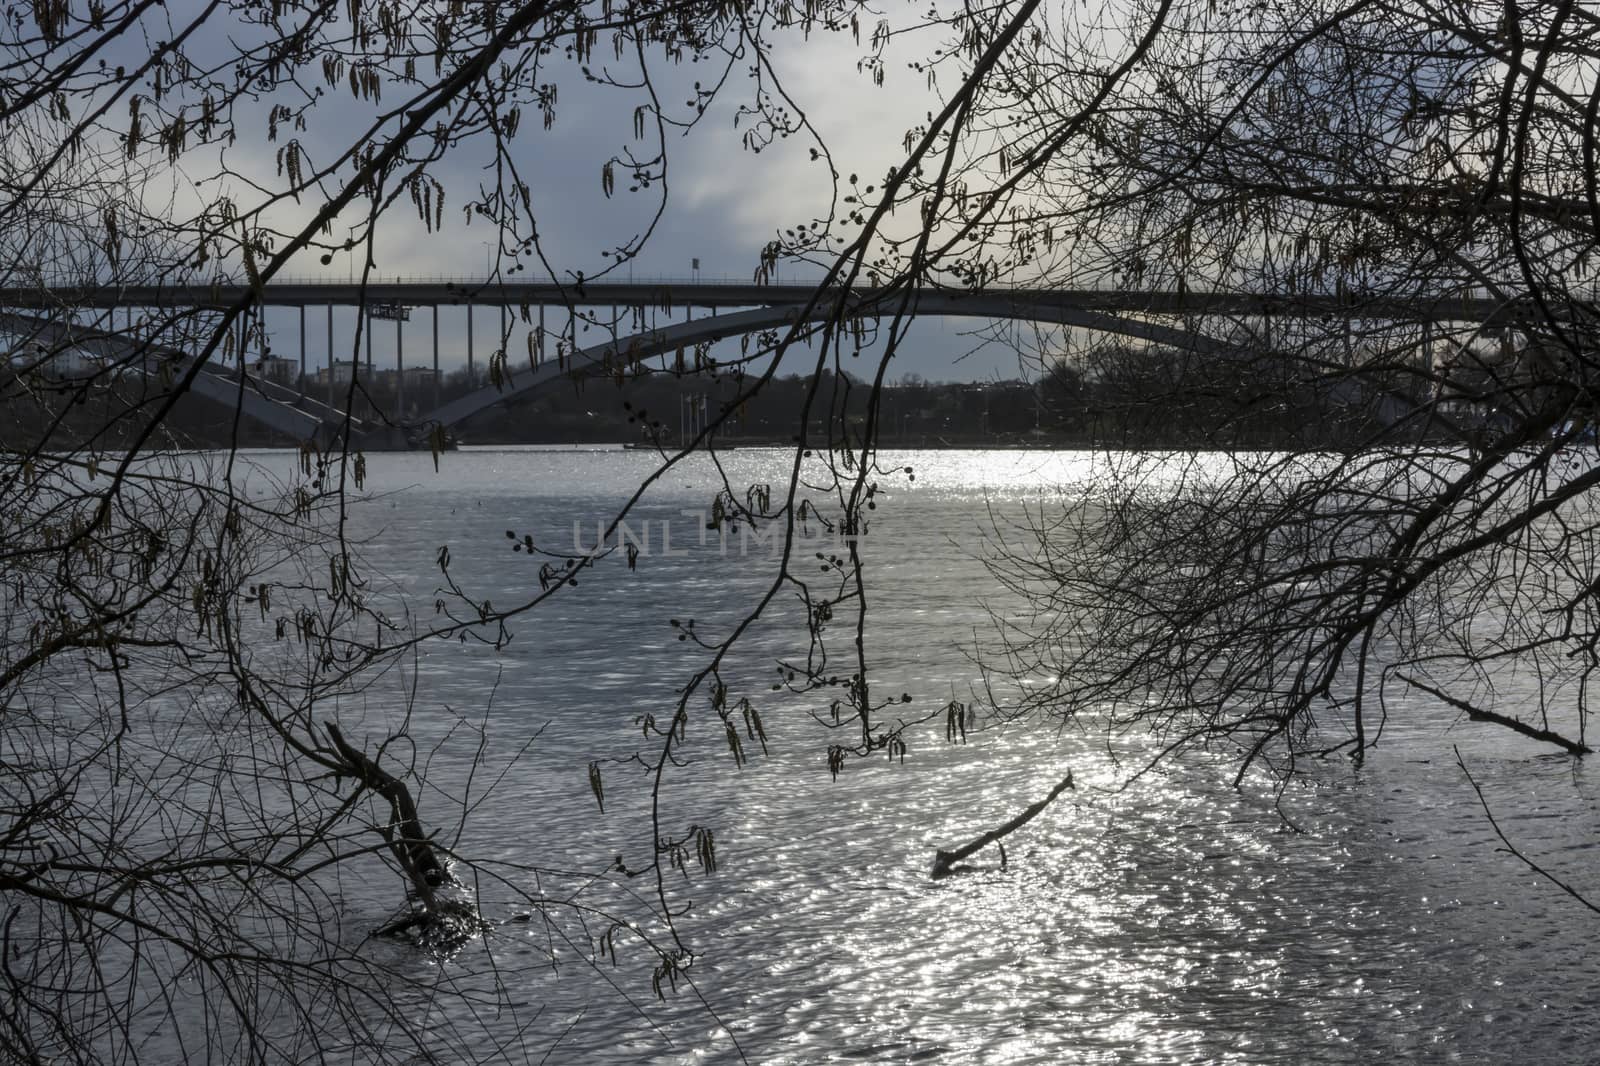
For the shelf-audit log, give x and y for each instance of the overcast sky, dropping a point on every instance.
(725, 202)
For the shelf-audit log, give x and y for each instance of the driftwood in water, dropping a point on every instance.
(944, 862)
(404, 832)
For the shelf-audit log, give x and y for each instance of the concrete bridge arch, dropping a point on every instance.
(604, 357)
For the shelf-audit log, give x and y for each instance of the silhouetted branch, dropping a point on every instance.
(1477, 714)
(1512, 848)
(409, 843)
(944, 861)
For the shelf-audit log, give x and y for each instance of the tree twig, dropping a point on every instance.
(1512, 848)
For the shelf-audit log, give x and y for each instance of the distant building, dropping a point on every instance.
(278, 369)
(418, 377)
(338, 374)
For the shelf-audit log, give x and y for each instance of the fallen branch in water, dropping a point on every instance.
(411, 846)
(944, 861)
(1478, 714)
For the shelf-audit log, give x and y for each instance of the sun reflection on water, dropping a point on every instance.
(1173, 921)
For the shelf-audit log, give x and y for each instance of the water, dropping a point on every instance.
(1168, 920)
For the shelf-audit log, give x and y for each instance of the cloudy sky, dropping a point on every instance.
(724, 201)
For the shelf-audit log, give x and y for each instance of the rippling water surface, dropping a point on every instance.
(1168, 920)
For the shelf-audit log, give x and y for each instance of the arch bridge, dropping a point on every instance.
(735, 309)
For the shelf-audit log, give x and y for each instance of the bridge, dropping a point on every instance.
(272, 404)
(734, 309)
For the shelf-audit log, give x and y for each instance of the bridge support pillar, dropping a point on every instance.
(331, 359)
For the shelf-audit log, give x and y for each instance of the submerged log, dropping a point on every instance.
(944, 862)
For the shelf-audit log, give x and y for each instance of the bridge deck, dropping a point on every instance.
(669, 295)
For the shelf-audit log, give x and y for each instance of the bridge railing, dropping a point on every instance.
(615, 288)
(518, 279)
(642, 280)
